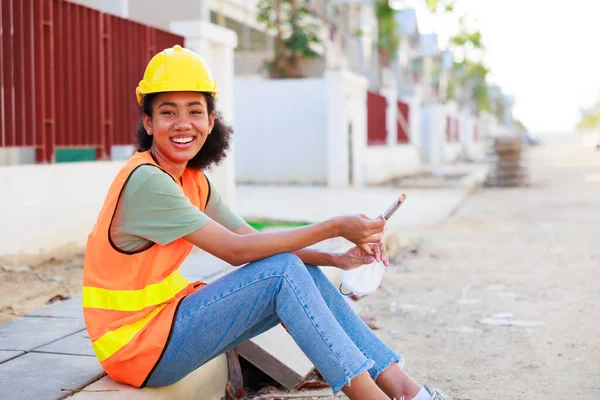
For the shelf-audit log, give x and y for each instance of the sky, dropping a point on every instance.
(546, 53)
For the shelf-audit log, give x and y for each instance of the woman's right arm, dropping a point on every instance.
(239, 249)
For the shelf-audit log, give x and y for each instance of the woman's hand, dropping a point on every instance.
(360, 230)
(356, 257)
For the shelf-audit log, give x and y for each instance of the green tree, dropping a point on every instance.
(472, 76)
(464, 38)
(296, 36)
(468, 73)
(388, 37)
(436, 6)
(591, 119)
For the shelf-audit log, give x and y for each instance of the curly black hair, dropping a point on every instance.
(214, 149)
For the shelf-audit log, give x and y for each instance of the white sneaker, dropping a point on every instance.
(437, 394)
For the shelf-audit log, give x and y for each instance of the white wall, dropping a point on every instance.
(452, 151)
(116, 7)
(46, 206)
(388, 162)
(490, 125)
(160, 14)
(281, 131)
(302, 130)
(475, 150)
(318, 134)
(435, 147)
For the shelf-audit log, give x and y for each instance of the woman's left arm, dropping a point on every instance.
(353, 258)
(218, 210)
(308, 256)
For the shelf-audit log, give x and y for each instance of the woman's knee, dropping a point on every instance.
(287, 259)
(287, 264)
(292, 264)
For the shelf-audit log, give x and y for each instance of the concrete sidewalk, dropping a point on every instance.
(423, 207)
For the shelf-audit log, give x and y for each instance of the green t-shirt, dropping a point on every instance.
(154, 209)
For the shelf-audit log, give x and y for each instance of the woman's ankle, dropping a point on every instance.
(397, 384)
(363, 387)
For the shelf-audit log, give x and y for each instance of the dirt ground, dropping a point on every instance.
(29, 282)
(526, 257)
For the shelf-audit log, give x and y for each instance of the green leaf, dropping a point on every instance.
(298, 35)
(388, 37)
(432, 5)
(461, 39)
(590, 120)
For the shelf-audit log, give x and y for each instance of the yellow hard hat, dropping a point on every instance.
(176, 70)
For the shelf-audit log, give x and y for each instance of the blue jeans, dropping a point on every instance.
(254, 298)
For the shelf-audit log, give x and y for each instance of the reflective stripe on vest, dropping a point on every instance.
(135, 300)
(112, 341)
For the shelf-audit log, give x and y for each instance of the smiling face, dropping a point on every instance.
(179, 125)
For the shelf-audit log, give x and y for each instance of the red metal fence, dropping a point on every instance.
(16, 77)
(456, 130)
(73, 63)
(376, 116)
(403, 122)
(69, 74)
(452, 129)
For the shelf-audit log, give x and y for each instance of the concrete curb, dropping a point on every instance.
(469, 183)
(475, 178)
(210, 380)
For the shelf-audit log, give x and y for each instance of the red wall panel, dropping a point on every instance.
(403, 135)
(69, 75)
(376, 115)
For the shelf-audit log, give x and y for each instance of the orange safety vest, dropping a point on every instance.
(130, 298)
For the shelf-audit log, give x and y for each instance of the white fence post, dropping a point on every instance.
(433, 133)
(337, 150)
(414, 120)
(347, 109)
(390, 91)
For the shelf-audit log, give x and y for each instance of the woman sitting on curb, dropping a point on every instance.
(149, 326)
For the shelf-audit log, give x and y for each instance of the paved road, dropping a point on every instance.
(525, 256)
